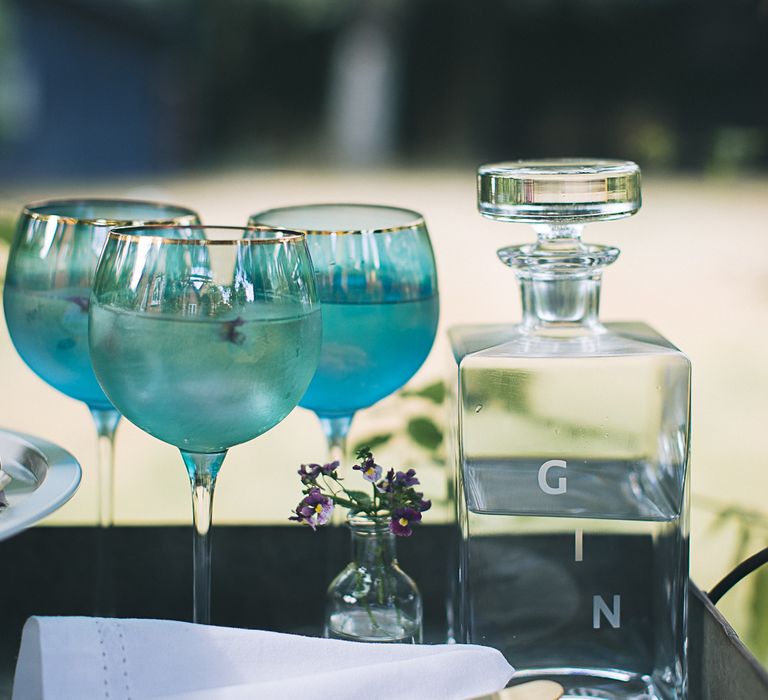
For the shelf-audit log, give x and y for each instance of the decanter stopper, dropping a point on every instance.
(558, 191)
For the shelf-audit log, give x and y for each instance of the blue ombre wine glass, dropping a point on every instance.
(377, 283)
(46, 296)
(204, 337)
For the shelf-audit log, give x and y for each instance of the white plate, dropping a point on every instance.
(44, 478)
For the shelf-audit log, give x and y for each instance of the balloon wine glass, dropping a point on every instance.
(46, 298)
(377, 284)
(204, 337)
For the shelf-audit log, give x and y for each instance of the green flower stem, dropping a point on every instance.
(359, 586)
(329, 487)
(366, 602)
(348, 502)
(349, 495)
(379, 568)
(375, 499)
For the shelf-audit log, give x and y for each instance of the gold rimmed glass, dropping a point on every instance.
(47, 294)
(377, 283)
(204, 337)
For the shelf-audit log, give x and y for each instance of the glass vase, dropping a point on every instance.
(373, 599)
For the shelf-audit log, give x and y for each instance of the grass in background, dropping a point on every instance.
(7, 226)
(751, 530)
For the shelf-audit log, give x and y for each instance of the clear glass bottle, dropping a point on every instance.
(373, 599)
(572, 443)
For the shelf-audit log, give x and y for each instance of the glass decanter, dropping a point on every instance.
(572, 444)
(373, 599)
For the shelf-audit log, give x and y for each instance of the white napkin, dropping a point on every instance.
(93, 658)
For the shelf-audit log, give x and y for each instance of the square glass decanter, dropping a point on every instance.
(572, 444)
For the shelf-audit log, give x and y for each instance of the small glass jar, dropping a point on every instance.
(373, 599)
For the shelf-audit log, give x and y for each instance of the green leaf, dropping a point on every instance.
(434, 392)
(425, 432)
(362, 498)
(373, 442)
(720, 520)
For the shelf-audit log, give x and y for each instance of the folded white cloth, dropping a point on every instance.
(92, 658)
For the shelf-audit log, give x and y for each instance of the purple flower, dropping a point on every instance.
(314, 509)
(385, 485)
(371, 471)
(308, 473)
(401, 521)
(405, 479)
(330, 468)
(423, 504)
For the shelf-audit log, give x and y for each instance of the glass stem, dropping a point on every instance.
(336, 429)
(106, 420)
(202, 469)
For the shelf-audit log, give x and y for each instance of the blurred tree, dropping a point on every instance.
(131, 86)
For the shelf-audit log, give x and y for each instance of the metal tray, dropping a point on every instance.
(44, 478)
